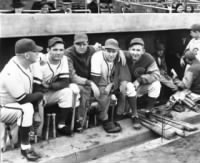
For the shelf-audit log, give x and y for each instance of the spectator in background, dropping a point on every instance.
(17, 6)
(93, 6)
(65, 7)
(189, 9)
(37, 4)
(45, 8)
(179, 8)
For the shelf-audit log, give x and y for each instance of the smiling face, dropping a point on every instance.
(136, 51)
(56, 52)
(110, 54)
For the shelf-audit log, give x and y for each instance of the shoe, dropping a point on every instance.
(66, 130)
(78, 126)
(136, 123)
(111, 127)
(30, 154)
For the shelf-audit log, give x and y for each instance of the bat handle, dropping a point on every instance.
(54, 124)
(73, 112)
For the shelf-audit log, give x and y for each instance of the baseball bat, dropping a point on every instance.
(167, 134)
(54, 124)
(73, 112)
(187, 126)
(48, 127)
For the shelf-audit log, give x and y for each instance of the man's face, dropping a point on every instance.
(18, 10)
(160, 53)
(136, 51)
(110, 54)
(57, 51)
(81, 47)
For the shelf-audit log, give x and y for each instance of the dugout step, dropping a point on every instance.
(92, 143)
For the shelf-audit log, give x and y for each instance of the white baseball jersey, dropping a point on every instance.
(194, 45)
(101, 67)
(48, 72)
(15, 82)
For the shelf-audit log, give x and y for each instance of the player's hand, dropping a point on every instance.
(122, 57)
(95, 90)
(136, 84)
(108, 88)
(97, 46)
(88, 83)
(182, 62)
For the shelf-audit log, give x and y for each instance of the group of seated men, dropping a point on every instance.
(70, 77)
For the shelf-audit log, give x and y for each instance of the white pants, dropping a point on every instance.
(63, 97)
(153, 90)
(13, 112)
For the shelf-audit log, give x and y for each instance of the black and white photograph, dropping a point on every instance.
(100, 81)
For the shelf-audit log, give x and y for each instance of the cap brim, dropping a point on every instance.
(38, 49)
(111, 47)
(137, 43)
(80, 40)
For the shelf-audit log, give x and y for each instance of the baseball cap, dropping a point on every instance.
(26, 45)
(17, 4)
(52, 41)
(80, 37)
(137, 41)
(160, 46)
(195, 27)
(111, 44)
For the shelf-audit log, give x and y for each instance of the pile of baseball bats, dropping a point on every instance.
(166, 127)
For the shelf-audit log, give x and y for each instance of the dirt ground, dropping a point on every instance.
(184, 150)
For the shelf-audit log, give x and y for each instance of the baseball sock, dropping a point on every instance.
(133, 104)
(65, 117)
(24, 135)
(150, 103)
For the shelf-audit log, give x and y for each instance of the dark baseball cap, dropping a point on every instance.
(54, 40)
(136, 41)
(26, 45)
(111, 44)
(80, 37)
(195, 27)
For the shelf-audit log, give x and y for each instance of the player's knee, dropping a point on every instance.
(28, 111)
(154, 90)
(131, 92)
(74, 87)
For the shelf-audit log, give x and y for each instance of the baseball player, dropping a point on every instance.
(189, 85)
(16, 98)
(53, 80)
(79, 56)
(145, 78)
(194, 44)
(105, 72)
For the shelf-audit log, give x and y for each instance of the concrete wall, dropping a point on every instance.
(60, 24)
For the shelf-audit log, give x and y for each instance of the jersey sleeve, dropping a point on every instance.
(96, 64)
(64, 73)
(37, 73)
(14, 85)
